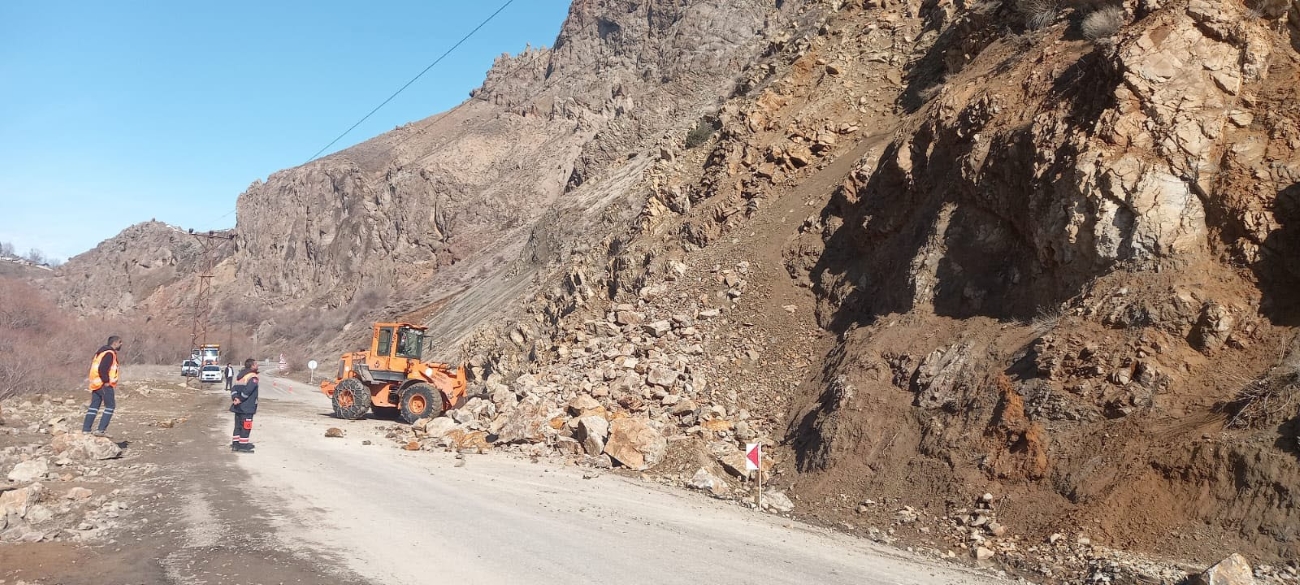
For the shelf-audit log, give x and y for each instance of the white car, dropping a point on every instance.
(210, 374)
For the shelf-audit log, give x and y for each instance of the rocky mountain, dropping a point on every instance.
(925, 251)
(150, 268)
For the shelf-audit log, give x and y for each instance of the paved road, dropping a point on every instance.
(391, 516)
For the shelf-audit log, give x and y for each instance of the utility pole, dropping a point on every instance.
(202, 298)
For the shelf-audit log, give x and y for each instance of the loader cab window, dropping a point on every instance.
(385, 348)
(409, 343)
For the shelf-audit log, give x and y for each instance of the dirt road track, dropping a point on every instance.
(404, 517)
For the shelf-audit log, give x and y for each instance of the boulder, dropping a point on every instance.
(81, 446)
(582, 404)
(18, 501)
(661, 376)
(28, 471)
(438, 427)
(635, 444)
(776, 500)
(657, 328)
(38, 514)
(1233, 570)
(593, 431)
(705, 481)
(527, 423)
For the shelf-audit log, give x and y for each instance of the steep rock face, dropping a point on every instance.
(468, 185)
(1064, 179)
(149, 267)
(1076, 217)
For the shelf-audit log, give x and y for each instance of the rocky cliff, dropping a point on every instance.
(468, 187)
(150, 268)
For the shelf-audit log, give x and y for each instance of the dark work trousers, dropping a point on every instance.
(229, 380)
(243, 426)
(102, 396)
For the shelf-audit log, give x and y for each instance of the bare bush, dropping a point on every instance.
(42, 349)
(1103, 23)
(1038, 14)
(1266, 402)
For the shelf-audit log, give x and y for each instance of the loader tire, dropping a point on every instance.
(351, 399)
(421, 401)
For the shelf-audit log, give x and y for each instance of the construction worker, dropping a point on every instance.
(103, 385)
(243, 402)
(229, 375)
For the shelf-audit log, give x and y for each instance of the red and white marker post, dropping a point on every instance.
(754, 461)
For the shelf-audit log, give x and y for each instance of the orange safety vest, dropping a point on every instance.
(95, 382)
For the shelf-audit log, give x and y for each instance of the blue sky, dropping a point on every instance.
(113, 113)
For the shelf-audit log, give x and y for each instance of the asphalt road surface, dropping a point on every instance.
(390, 516)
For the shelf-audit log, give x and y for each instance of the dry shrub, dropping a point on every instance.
(1267, 402)
(1038, 14)
(701, 133)
(42, 349)
(1103, 23)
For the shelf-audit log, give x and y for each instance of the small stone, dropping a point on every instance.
(996, 529)
(657, 328)
(366, 442)
(334, 433)
(39, 514)
(79, 494)
(29, 471)
(775, 500)
(705, 481)
(412, 446)
(981, 554)
(987, 498)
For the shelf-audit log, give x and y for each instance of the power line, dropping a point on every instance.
(414, 79)
(401, 89)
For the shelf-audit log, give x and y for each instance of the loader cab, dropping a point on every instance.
(395, 345)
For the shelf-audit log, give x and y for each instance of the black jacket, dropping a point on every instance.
(245, 389)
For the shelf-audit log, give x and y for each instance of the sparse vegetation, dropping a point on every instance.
(1102, 23)
(1038, 14)
(1266, 402)
(701, 133)
(42, 349)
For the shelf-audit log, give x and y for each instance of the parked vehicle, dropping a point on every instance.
(210, 374)
(190, 368)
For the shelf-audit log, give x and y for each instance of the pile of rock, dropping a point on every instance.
(31, 509)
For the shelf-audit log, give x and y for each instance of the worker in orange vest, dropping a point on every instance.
(103, 385)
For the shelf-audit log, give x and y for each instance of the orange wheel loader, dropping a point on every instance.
(391, 379)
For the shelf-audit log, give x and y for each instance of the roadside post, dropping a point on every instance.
(311, 378)
(754, 461)
(284, 365)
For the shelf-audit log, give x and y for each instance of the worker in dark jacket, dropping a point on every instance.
(243, 402)
(229, 375)
(103, 385)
